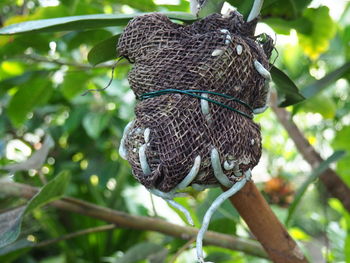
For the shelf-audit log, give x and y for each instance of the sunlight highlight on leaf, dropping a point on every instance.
(323, 30)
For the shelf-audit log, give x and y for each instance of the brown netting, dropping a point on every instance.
(167, 55)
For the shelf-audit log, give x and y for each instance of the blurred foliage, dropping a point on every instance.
(50, 192)
(43, 77)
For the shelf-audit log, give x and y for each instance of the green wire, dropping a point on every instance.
(157, 93)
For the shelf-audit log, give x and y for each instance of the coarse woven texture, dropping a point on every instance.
(215, 54)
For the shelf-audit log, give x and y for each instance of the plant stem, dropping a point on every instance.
(76, 234)
(125, 220)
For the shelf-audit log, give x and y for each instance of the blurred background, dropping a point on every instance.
(44, 75)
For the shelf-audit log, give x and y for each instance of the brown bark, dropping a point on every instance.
(265, 226)
(333, 183)
(138, 222)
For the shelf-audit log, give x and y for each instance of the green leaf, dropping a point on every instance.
(143, 5)
(15, 250)
(53, 190)
(74, 119)
(347, 246)
(323, 30)
(341, 142)
(75, 39)
(183, 5)
(104, 51)
(82, 22)
(10, 225)
(299, 234)
(26, 77)
(346, 39)
(140, 251)
(210, 7)
(17, 45)
(218, 257)
(319, 85)
(322, 104)
(28, 96)
(73, 83)
(288, 93)
(94, 123)
(243, 7)
(11, 221)
(223, 225)
(282, 26)
(312, 177)
(286, 10)
(293, 60)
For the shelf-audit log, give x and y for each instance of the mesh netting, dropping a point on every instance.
(214, 54)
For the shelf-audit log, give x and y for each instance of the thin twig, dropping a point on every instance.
(125, 220)
(110, 81)
(155, 214)
(42, 177)
(324, 195)
(61, 62)
(182, 249)
(76, 234)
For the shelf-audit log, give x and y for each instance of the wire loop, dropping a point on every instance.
(152, 94)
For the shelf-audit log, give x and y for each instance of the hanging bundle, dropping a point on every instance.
(198, 87)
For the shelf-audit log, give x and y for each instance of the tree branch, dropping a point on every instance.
(265, 226)
(333, 183)
(61, 62)
(138, 222)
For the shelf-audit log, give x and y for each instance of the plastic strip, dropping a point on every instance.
(255, 10)
(168, 197)
(146, 135)
(191, 175)
(143, 160)
(260, 110)
(262, 71)
(229, 165)
(216, 164)
(182, 209)
(123, 152)
(214, 206)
